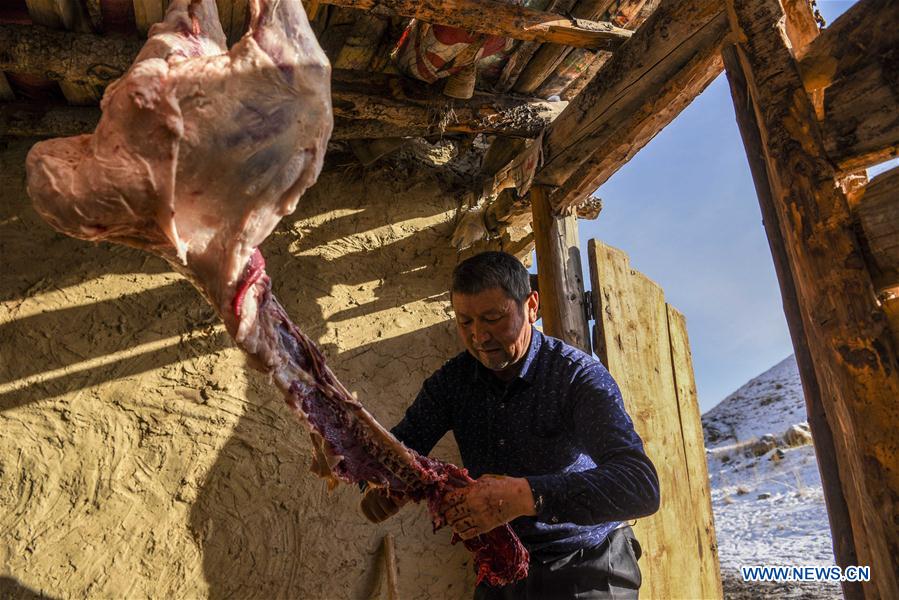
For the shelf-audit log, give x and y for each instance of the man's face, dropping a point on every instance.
(494, 328)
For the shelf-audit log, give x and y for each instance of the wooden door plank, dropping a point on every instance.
(632, 320)
(696, 467)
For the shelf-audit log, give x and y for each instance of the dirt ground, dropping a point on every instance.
(141, 457)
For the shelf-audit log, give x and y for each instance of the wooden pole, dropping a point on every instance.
(393, 587)
(559, 273)
(837, 510)
(845, 331)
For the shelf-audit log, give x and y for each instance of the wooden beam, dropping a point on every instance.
(625, 13)
(519, 58)
(66, 56)
(837, 510)
(560, 275)
(26, 120)
(406, 103)
(649, 80)
(499, 18)
(402, 103)
(67, 15)
(852, 64)
(548, 57)
(601, 57)
(878, 215)
(849, 343)
(801, 25)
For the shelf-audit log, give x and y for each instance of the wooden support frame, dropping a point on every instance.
(854, 357)
(669, 61)
(825, 451)
(850, 71)
(643, 87)
(559, 272)
(548, 57)
(499, 18)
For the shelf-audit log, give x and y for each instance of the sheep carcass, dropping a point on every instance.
(199, 153)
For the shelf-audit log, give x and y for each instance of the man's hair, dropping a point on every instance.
(492, 270)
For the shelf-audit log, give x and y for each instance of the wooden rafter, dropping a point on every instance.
(548, 57)
(403, 106)
(648, 82)
(500, 18)
(850, 71)
(406, 103)
(522, 55)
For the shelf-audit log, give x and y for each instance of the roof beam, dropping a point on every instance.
(646, 83)
(403, 106)
(549, 57)
(499, 18)
(406, 103)
(849, 71)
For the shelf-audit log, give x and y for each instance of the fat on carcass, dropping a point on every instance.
(200, 151)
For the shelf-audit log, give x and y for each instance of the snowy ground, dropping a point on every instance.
(766, 493)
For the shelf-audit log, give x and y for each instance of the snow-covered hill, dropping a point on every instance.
(766, 490)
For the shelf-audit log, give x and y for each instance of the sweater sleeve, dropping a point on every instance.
(428, 418)
(623, 485)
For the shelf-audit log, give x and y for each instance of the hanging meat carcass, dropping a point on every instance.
(199, 153)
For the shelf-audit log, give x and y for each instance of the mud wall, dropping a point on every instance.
(141, 457)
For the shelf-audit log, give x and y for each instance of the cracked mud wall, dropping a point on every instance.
(141, 457)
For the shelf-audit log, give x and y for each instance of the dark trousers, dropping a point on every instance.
(608, 571)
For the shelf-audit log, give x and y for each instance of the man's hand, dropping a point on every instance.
(377, 505)
(487, 503)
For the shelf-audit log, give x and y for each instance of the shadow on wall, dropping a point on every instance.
(363, 267)
(267, 527)
(366, 246)
(11, 589)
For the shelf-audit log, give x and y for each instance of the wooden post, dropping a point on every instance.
(845, 331)
(393, 582)
(559, 272)
(837, 510)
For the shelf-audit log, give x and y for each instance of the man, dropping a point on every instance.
(542, 428)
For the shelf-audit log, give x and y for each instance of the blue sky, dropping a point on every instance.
(685, 210)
